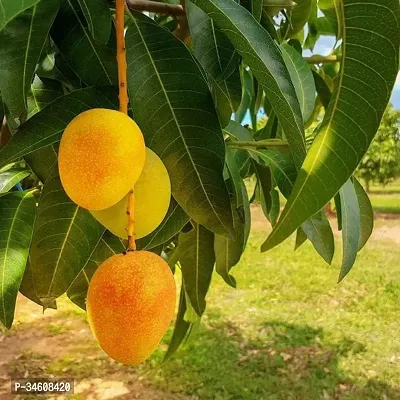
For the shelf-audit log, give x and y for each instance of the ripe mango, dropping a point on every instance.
(130, 304)
(102, 152)
(152, 198)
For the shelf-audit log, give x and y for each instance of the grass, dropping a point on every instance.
(288, 332)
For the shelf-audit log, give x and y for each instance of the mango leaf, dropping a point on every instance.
(21, 43)
(227, 96)
(171, 225)
(265, 185)
(74, 40)
(173, 107)
(10, 9)
(247, 95)
(262, 55)
(11, 177)
(98, 18)
(323, 90)
(46, 127)
(317, 228)
(350, 226)
(328, 8)
(228, 252)
(63, 241)
(211, 47)
(302, 79)
(257, 9)
(27, 287)
(108, 246)
(301, 237)
(17, 215)
(43, 92)
(195, 254)
(182, 328)
(298, 16)
(366, 214)
(362, 91)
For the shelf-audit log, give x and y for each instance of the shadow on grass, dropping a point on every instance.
(273, 361)
(282, 361)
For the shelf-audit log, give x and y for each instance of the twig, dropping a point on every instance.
(182, 32)
(156, 7)
(317, 59)
(261, 144)
(123, 105)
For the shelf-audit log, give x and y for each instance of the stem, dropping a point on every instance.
(121, 56)
(317, 59)
(261, 144)
(123, 104)
(156, 7)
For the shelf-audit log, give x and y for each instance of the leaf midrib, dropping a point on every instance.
(326, 131)
(62, 248)
(176, 122)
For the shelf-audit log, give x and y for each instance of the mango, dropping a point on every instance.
(130, 304)
(152, 198)
(102, 153)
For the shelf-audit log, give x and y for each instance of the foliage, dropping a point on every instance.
(186, 77)
(381, 164)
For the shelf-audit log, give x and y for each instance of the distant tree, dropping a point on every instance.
(381, 164)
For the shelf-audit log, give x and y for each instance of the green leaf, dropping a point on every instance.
(366, 214)
(11, 177)
(182, 328)
(265, 185)
(257, 9)
(302, 79)
(74, 40)
(362, 91)
(246, 96)
(195, 253)
(64, 238)
(10, 9)
(43, 92)
(46, 127)
(21, 43)
(42, 162)
(171, 225)
(350, 226)
(98, 18)
(173, 107)
(27, 287)
(17, 215)
(229, 251)
(328, 8)
(262, 55)
(211, 47)
(299, 16)
(227, 96)
(323, 90)
(108, 246)
(319, 231)
(301, 237)
(338, 208)
(317, 228)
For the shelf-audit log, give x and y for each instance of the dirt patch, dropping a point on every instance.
(56, 344)
(388, 227)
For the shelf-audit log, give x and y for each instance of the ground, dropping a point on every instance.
(287, 332)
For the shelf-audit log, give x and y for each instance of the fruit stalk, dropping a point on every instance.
(123, 105)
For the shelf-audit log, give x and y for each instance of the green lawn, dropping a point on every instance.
(288, 332)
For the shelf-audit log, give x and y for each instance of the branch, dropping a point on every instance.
(156, 7)
(317, 59)
(261, 144)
